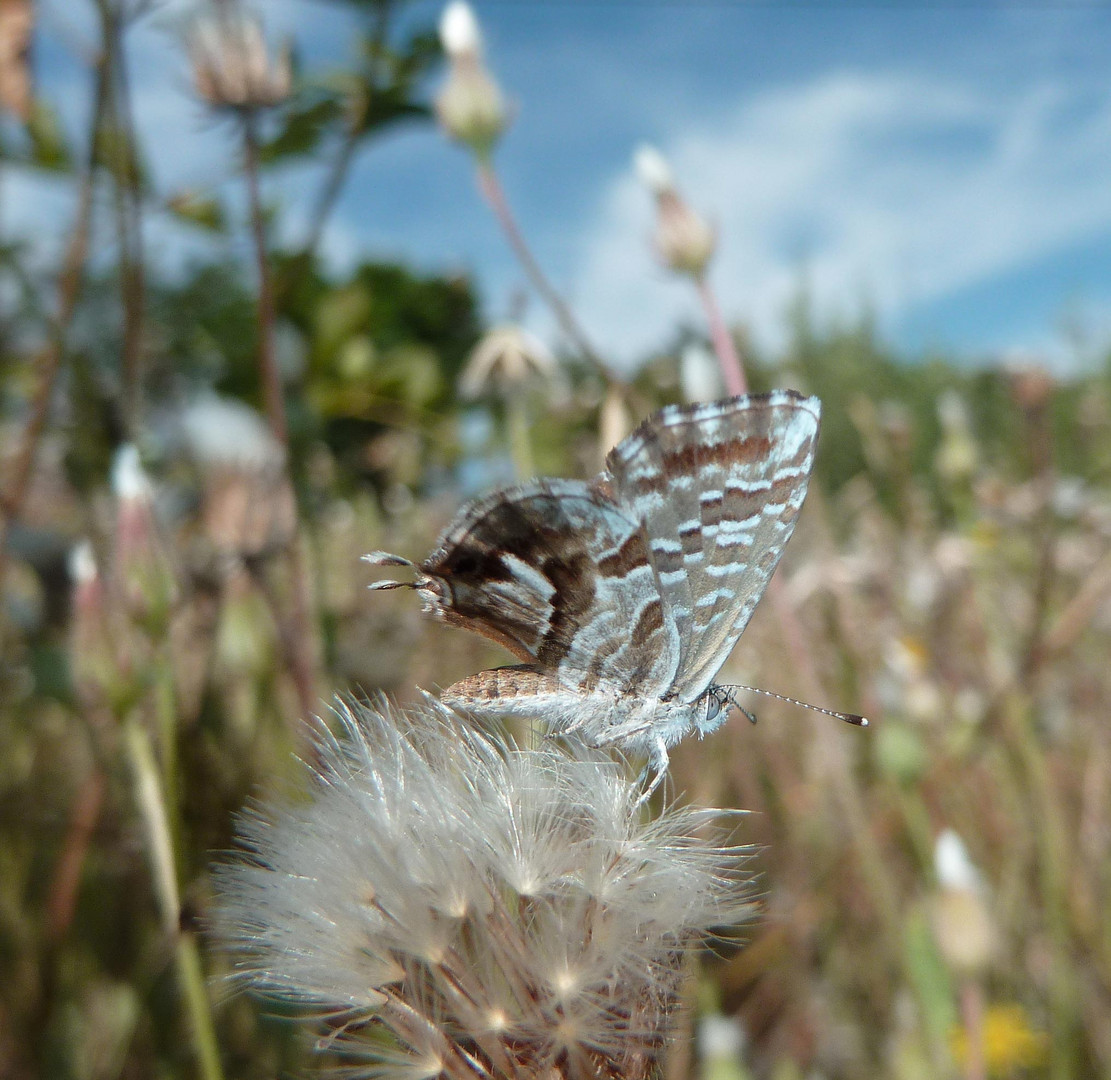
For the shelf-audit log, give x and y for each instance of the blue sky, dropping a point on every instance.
(946, 166)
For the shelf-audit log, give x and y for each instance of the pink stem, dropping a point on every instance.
(731, 369)
(972, 1011)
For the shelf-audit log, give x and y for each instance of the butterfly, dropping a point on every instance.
(624, 595)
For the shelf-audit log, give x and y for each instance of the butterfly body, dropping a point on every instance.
(600, 717)
(624, 595)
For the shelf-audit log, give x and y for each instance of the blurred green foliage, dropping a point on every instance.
(951, 576)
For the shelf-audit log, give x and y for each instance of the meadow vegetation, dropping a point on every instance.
(193, 462)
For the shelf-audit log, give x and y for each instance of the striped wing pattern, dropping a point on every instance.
(718, 488)
(557, 572)
(639, 583)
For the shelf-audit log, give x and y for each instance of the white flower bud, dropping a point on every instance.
(683, 240)
(954, 869)
(130, 482)
(232, 67)
(470, 106)
(506, 356)
(459, 32)
(81, 563)
(653, 169)
(961, 919)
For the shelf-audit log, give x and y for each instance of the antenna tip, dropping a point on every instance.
(860, 721)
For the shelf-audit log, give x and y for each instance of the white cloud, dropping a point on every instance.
(893, 190)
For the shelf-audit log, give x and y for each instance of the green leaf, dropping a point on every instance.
(49, 148)
(305, 123)
(119, 155)
(202, 212)
(930, 979)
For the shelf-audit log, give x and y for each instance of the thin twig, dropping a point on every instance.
(494, 193)
(49, 360)
(341, 163)
(330, 190)
(150, 799)
(297, 636)
(267, 359)
(64, 887)
(129, 224)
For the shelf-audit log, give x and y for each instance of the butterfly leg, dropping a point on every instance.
(658, 761)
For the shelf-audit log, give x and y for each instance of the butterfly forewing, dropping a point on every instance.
(718, 488)
(558, 573)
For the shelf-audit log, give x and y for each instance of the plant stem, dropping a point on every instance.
(341, 163)
(494, 193)
(129, 224)
(49, 359)
(267, 359)
(731, 369)
(67, 873)
(297, 637)
(520, 445)
(972, 1014)
(152, 809)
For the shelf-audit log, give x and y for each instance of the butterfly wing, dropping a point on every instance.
(559, 574)
(718, 488)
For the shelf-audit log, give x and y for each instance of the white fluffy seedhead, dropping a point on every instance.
(489, 906)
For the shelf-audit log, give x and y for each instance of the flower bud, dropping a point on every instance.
(459, 31)
(470, 106)
(506, 356)
(132, 488)
(17, 22)
(140, 570)
(962, 923)
(232, 68)
(246, 504)
(684, 241)
(94, 666)
(1032, 387)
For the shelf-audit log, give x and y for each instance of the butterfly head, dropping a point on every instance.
(713, 709)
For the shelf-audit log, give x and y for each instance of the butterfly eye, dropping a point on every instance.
(713, 707)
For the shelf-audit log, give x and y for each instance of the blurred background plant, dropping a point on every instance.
(192, 463)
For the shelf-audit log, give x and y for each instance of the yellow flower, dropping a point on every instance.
(1009, 1041)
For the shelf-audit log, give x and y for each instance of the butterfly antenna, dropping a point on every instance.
(384, 558)
(850, 718)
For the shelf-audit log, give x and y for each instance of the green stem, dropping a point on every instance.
(152, 809)
(520, 444)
